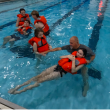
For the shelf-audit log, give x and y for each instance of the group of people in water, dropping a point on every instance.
(67, 64)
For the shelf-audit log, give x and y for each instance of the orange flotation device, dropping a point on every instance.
(66, 64)
(44, 21)
(40, 48)
(22, 18)
(20, 30)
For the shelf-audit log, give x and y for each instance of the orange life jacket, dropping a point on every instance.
(66, 64)
(43, 47)
(22, 18)
(21, 29)
(44, 21)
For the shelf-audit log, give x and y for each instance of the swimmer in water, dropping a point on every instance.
(69, 63)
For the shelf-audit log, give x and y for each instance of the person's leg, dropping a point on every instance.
(48, 77)
(11, 41)
(26, 88)
(46, 72)
(51, 76)
(11, 91)
(84, 72)
(39, 59)
(6, 40)
(43, 74)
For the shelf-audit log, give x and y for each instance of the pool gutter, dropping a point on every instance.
(6, 104)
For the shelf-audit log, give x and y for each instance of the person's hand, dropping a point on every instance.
(71, 57)
(43, 54)
(50, 47)
(88, 61)
(24, 29)
(40, 53)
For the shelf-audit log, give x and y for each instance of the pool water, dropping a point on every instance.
(66, 92)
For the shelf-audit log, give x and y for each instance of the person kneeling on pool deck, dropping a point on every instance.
(22, 32)
(40, 21)
(69, 63)
(39, 42)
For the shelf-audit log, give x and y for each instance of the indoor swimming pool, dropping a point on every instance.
(85, 19)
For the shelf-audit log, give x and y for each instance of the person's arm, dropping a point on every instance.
(74, 68)
(50, 47)
(17, 22)
(31, 23)
(35, 49)
(52, 50)
(65, 56)
(91, 59)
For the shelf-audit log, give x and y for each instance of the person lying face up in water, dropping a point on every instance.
(69, 63)
(22, 32)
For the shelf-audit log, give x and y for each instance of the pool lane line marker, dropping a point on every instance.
(13, 22)
(58, 22)
(95, 32)
(95, 37)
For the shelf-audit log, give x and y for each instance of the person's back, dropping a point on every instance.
(40, 21)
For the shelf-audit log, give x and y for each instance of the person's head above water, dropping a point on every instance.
(35, 14)
(81, 53)
(74, 42)
(26, 23)
(22, 11)
(38, 32)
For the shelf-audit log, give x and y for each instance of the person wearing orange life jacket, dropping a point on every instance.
(66, 63)
(39, 42)
(22, 32)
(22, 17)
(76, 59)
(40, 21)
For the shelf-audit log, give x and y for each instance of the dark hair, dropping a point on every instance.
(84, 51)
(37, 30)
(22, 9)
(34, 12)
(27, 21)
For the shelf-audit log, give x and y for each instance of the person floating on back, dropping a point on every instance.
(40, 21)
(22, 32)
(69, 63)
(74, 46)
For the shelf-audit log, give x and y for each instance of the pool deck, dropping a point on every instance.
(4, 104)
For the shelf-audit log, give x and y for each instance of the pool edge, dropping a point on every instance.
(10, 104)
